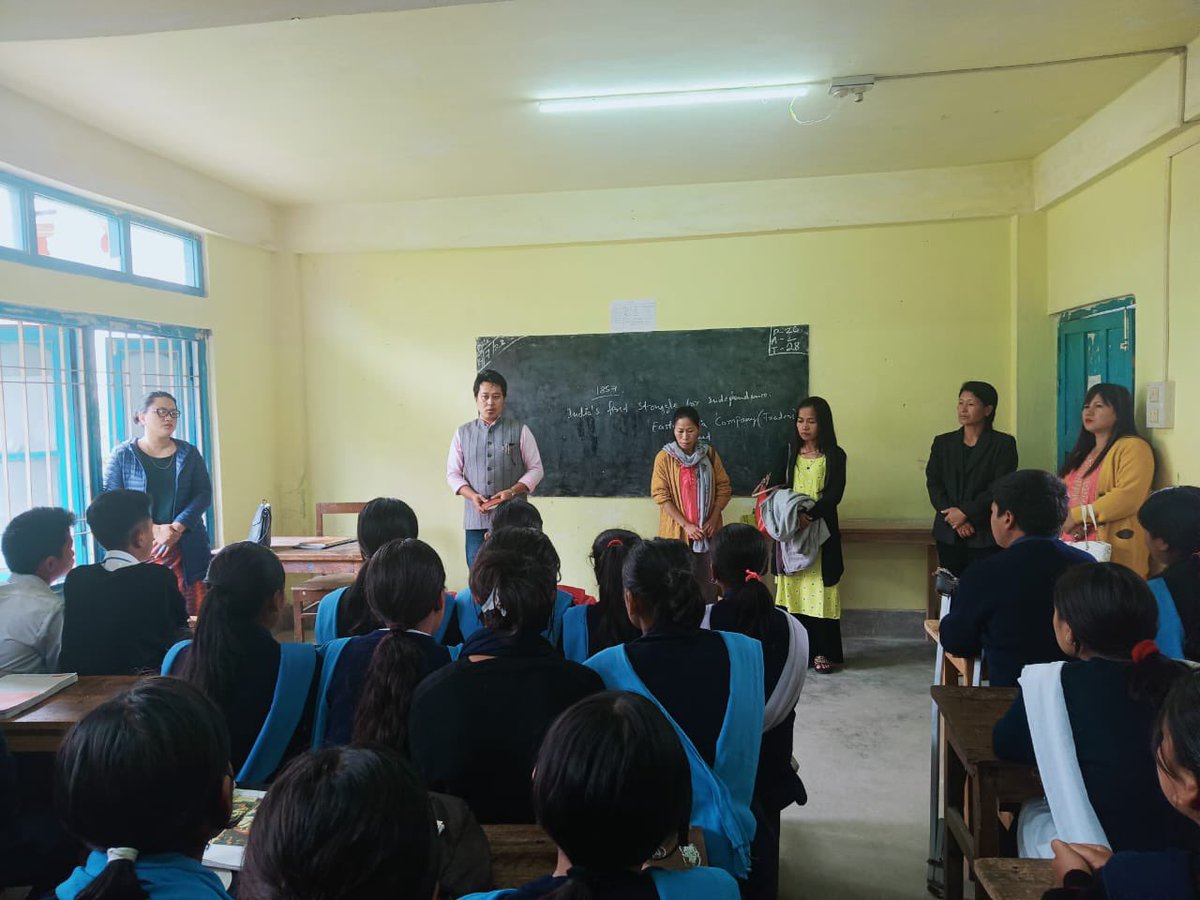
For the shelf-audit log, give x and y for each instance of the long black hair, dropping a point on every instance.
(381, 520)
(518, 569)
(1111, 610)
(343, 822)
(611, 785)
(147, 770)
(659, 574)
(739, 559)
(610, 549)
(243, 579)
(826, 433)
(405, 583)
(1173, 516)
(1118, 397)
(1180, 718)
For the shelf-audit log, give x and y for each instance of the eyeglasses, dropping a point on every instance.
(163, 413)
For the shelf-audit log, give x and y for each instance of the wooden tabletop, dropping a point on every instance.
(1015, 879)
(42, 728)
(970, 714)
(344, 558)
(888, 531)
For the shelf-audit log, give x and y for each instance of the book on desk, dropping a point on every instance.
(20, 692)
(227, 849)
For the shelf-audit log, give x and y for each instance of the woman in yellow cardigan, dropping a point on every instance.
(691, 488)
(1110, 469)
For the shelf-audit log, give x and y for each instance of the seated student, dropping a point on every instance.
(344, 822)
(1104, 619)
(710, 685)
(144, 781)
(613, 791)
(739, 560)
(1089, 872)
(345, 612)
(588, 629)
(475, 725)
(1004, 605)
(371, 677)
(121, 617)
(1171, 518)
(38, 549)
(515, 513)
(264, 689)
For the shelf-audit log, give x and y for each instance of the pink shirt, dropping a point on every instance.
(534, 473)
(1081, 491)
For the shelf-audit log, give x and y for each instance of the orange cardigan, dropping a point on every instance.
(664, 486)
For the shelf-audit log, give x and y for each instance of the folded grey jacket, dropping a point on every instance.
(798, 547)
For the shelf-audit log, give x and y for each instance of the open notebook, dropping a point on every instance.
(19, 692)
(226, 850)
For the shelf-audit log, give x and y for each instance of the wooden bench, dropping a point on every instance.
(308, 595)
(520, 853)
(908, 532)
(1014, 879)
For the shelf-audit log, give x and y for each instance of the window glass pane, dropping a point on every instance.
(157, 254)
(75, 234)
(10, 217)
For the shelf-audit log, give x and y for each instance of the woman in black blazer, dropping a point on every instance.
(963, 465)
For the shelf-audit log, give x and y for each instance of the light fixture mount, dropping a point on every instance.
(851, 86)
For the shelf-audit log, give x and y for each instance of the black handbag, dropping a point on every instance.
(260, 527)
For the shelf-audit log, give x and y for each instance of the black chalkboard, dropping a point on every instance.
(600, 405)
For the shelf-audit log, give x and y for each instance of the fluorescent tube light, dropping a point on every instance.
(673, 98)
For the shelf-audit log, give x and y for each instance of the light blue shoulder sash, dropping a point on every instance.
(439, 635)
(1170, 626)
(329, 660)
(297, 664)
(575, 634)
(468, 614)
(325, 629)
(705, 883)
(721, 794)
(169, 660)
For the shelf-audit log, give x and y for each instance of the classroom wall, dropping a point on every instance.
(900, 315)
(239, 311)
(1134, 231)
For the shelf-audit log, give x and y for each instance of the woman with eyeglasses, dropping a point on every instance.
(175, 476)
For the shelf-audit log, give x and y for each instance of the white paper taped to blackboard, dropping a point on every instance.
(632, 315)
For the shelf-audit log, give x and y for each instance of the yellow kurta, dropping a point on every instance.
(805, 592)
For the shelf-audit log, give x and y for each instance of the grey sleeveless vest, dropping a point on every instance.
(491, 462)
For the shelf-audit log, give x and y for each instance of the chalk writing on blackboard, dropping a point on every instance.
(787, 339)
(487, 348)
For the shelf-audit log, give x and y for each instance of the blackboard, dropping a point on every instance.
(600, 405)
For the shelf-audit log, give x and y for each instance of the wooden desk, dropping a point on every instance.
(968, 716)
(1014, 879)
(42, 728)
(912, 532)
(520, 853)
(345, 559)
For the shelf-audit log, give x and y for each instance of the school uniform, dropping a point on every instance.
(1177, 592)
(466, 615)
(710, 686)
(1166, 875)
(120, 617)
(1112, 733)
(586, 631)
(475, 727)
(31, 623)
(1004, 607)
(333, 619)
(269, 714)
(962, 476)
(163, 876)
(650, 884)
(343, 689)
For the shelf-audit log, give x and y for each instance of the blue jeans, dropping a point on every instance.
(474, 542)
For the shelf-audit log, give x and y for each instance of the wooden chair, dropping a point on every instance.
(307, 596)
(347, 508)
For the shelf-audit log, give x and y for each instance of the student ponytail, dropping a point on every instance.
(242, 580)
(405, 582)
(659, 573)
(739, 560)
(514, 579)
(381, 520)
(610, 549)
(117, 881)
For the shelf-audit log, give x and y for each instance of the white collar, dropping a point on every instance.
(118, 559)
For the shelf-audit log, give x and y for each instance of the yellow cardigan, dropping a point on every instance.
(1126, 476)
(664, 486)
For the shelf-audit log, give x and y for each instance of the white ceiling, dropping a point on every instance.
(439, 102)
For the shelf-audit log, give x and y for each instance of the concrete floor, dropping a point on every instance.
(862, 739)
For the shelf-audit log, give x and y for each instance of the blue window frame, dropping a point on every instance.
(54, 229)
(69, 388)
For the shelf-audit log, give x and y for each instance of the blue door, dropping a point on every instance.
(1095, 345)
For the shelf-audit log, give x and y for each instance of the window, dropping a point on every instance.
(47, 227)
(69, 388)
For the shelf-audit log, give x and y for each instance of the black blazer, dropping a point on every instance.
(832, 562)
(967, 484)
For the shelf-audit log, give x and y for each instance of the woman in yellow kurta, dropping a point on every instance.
(691, 488)
(1110, 470)
(815, 465)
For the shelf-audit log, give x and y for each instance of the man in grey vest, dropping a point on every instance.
(492, 459)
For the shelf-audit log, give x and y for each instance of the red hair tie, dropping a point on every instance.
(751, 575)
(615, 542)
(1142, 649)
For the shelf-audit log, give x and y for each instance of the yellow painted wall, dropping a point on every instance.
(899, 316)
(1112, 239)
(240, 312)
